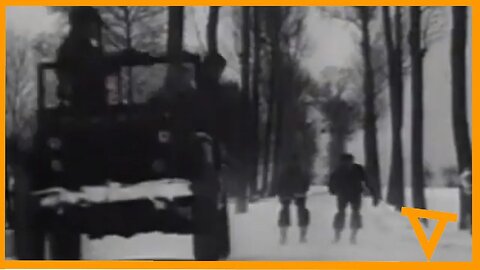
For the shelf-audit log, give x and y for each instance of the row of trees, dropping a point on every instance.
(273, 85)
(275, 81)
(275, 92)
(267, 108)
(418, 48)
(412, 29)
(459, 102)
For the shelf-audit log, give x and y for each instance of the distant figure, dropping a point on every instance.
(83, 66)
(348, 182)
(466, 181)
(293, 185)
(466, 188)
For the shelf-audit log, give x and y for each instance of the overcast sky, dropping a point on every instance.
(330, 44)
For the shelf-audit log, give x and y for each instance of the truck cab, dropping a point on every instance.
(132, 168)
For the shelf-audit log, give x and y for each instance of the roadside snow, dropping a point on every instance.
(387, 236)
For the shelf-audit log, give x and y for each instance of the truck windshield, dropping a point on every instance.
(132, 85)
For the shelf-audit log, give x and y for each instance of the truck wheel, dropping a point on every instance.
(224, 232)
(29, 237)
(207, 243)
(212, 238)
(64, 245)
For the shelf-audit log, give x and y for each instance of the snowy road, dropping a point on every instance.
(387, 236)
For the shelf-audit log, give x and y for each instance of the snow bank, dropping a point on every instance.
(386, 236)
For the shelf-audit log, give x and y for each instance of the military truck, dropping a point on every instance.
(123, 171)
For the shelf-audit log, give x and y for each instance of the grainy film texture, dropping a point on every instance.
(236, 133)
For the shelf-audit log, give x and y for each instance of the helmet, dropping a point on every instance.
(216, 60)
(84, 14)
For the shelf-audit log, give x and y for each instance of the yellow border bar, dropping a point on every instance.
(236, 265)
(475, 264)
(243, 3)
(475, 130)
(3, 135)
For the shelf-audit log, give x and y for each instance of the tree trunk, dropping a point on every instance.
(459, 102)
(369, 123)
(269, 126)
(277, 145)
(245, 181)
(128, 35)
(270, 100)
(175, 38)
(268, 146)
(278, 92)
(395, 194)
(212, 29)
(175, 30)
(255, 90)
(416, 54)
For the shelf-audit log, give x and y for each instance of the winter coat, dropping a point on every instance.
(348, 181)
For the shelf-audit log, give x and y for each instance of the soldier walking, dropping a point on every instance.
(347, 183)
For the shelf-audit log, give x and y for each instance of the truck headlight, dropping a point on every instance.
(56, 165)
(164, 136)
(54, 143)
(158, 166)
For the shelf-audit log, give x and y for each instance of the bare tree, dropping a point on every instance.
(417, 54)
(274, 54)
(139, 27)
(459, 104)
(246, 182)
(395, 195)
(370, 128)
(20, 94)
(373, 66)
(256, 73)
(174, 41)
(127, 27)
(175, 30)
(389, 67)
(337, 101)
(281, 38)
(19, 113)
(212, 29)
(285, 31)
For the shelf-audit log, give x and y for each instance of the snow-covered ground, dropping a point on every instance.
(387, 236)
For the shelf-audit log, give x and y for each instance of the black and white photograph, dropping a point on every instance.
(241, 133)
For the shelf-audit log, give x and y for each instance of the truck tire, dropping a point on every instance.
(205, 241)
(29, 237)
(223, 231)
(64, 245)
(210, 223)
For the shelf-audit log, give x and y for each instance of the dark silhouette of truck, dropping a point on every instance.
(132, 168)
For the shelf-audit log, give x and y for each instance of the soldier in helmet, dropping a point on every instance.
(347, 183)
(83, 66)
(210, 97)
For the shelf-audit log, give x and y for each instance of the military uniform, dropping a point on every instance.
(83, 69)
(83, 66)
(348, 183)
